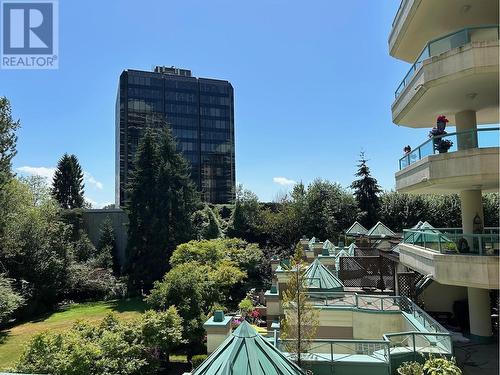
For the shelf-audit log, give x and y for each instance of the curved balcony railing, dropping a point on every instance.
(474, 138)
(453, 243)
(446, 43)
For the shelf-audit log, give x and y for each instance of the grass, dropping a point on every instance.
(12, 340)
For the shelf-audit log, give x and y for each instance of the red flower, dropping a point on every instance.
(442, 119)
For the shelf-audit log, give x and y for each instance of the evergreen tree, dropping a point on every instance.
(366, 190)
(162, 201)
(8, 140)
(107, 246)
(213, 228)
(67, 184)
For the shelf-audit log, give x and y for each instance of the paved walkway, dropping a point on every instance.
(477, 358)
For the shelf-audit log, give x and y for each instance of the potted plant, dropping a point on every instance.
(450, 248)
(444, 145)
(440, 145)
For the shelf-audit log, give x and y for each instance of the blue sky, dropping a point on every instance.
(313, 85)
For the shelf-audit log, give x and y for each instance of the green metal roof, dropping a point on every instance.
(246, 352)
(356, 229)
(319, 277)
(380, 230)
(328, 245)
(423, 225)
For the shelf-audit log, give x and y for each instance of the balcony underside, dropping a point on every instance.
(419, 21)
(465, 78)
(452, 172)
(461, 270)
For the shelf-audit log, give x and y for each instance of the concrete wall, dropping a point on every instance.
(214, 340)
(460, 270)
(440, 297)
(371, 326)
(93, 220)
(452, 172)
(443, 81)
(359, 325)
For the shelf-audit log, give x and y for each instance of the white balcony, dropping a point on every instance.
(418, 21)
(424, 170)
(469, 270)
(461, 78)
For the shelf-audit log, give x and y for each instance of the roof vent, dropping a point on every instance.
(218, 316)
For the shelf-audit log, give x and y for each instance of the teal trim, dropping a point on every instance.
(380, 230)
(356, 229)
(211, 322)
(486, 244)
(245, 352)
(319, 278)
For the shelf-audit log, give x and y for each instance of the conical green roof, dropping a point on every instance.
(320, 278)
(328, 245)
(246, 352)
(380, 230)
(356, 229)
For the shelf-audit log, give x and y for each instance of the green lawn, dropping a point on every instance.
(13, 339)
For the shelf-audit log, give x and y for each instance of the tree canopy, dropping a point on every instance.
(162, 201)
(67, 184)
(366, 190)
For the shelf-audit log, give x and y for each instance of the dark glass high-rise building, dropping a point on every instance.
(200, 112)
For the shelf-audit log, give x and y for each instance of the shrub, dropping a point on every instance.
(9, 299)
(112, 347)
(86, 282)
(439, 365)
(411, 368)
(197, 360)
(246, 306)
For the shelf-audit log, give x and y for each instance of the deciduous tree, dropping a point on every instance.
(300, 322)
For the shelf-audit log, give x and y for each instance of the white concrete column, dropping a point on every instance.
(472, 205)
(479, 313)
(466, 120)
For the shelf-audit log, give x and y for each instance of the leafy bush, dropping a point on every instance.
(162, 330)
(246, 306)
(197, 360)
(439, 365)
(112, 347)
(85, 282)
(9, 299)
(411, 368)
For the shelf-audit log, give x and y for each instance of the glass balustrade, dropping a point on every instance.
(474, 138)
(446, 43)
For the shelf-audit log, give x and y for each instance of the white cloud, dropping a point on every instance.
(92, 181)
(38, 171)
(48, 172)
(283, 181)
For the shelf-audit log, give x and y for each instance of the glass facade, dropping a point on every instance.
(201, 115)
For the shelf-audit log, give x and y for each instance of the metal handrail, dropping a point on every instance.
(426, 52)
(434, 240)
(417, 153)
